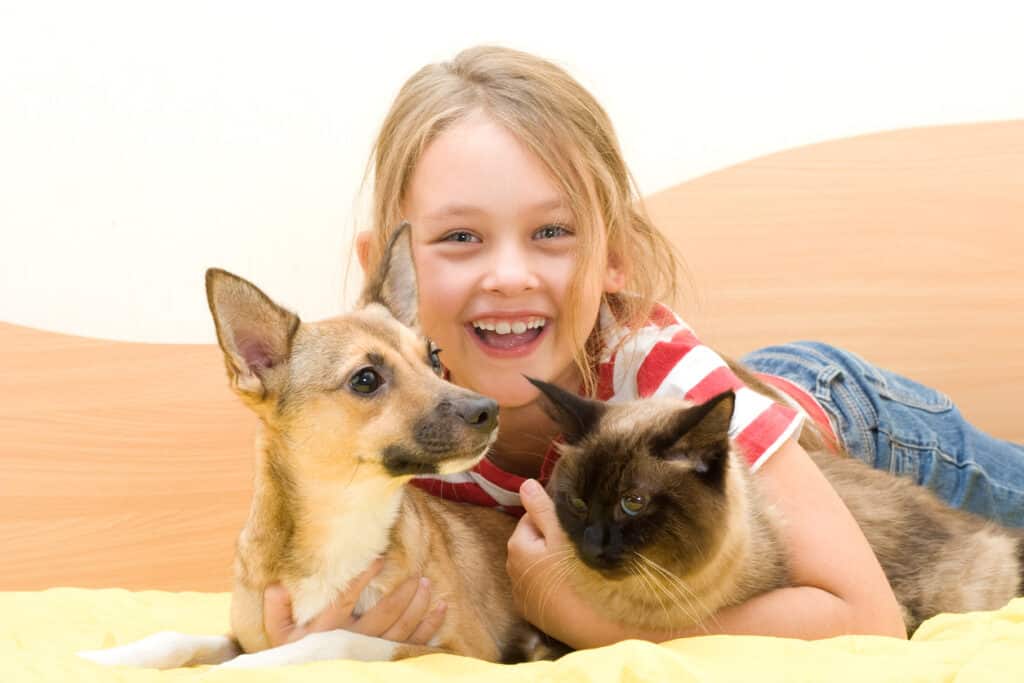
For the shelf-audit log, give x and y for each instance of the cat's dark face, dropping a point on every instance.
(641, 483)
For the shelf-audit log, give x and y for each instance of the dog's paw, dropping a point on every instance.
(318, 647)
(166, 650)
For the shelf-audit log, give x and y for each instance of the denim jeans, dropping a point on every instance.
(895, 424)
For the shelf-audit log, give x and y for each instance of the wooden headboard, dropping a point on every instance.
(129, 464)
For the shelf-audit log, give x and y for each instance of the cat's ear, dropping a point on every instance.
(576, 416)
(699, 435)
(254, 333)
(393, 284)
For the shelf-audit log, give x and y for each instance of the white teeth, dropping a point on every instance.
(506, 327)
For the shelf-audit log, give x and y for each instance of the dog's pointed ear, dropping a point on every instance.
(575, 415)
(254, 333)
(393, 284)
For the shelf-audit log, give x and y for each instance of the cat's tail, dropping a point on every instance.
(1019, 534)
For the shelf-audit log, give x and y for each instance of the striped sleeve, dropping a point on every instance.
(669, 360)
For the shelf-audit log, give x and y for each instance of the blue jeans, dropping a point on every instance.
(895, 424)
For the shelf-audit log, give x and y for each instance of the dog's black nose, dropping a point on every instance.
(481, 413)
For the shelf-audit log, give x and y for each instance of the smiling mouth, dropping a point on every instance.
(506, 336)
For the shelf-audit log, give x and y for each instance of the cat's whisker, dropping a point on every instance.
(566, 569)
(557, 560)
(643, 574)
(554, 557)
(676, 596)
(686, 593)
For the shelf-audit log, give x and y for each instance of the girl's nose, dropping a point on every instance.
(510, 271)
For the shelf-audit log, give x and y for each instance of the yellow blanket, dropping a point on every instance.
(40, 632)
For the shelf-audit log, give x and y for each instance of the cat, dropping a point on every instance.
(668, 525)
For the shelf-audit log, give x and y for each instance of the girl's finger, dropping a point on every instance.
(277, 614)
(540, 507)
(339, 613)
(388, 610)
(414, 613)
(430, 625)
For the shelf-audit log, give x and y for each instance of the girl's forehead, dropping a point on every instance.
(478, 163)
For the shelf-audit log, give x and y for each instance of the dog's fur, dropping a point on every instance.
(331, 467)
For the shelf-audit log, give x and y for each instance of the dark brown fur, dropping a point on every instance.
(705, 539)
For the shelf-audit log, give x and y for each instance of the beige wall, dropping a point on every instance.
(129, 464)
(143, 142)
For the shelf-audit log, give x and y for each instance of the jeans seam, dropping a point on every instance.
(827, 367)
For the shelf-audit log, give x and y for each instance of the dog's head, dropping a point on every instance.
(360, 389)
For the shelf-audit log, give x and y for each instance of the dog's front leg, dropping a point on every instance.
(167, 650)
(325, 645)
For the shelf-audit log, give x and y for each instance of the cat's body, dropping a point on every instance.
(669, 526)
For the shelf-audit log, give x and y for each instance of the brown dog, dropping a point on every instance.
(351, 409)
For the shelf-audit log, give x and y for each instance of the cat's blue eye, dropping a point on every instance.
(633, 505)
(551, 231)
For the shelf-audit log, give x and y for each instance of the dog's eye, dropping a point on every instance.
(633, 505)
(366, 381)
(435, 362)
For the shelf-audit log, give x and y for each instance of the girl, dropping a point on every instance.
(533, 258)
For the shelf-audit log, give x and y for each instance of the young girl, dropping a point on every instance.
(533, 259)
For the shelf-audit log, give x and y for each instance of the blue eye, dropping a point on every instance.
(633, 505)
(551, 231)
(460, 236)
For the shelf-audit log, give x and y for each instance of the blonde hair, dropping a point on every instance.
(564, 126)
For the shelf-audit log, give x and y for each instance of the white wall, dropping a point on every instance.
(141, 142)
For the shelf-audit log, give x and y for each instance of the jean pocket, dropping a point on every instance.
(908, 392)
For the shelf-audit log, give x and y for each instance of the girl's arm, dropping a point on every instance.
(838, 585)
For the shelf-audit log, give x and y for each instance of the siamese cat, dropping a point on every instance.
(669, 527)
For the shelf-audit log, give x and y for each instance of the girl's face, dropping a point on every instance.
(495, 247)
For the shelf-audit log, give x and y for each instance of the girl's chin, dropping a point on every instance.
(509, 390)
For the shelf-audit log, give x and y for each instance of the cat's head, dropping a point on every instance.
(642, 482)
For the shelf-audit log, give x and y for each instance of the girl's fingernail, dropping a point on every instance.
(424, 582)
(531, 487)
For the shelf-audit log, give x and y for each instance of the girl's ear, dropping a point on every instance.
(614, 275)
(363, 248)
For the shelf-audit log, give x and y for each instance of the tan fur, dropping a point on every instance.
(937, 559)
(737, 564)
(332, 466)
(324, 506)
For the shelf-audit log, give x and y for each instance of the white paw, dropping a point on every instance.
(317, 647)
(166, 650)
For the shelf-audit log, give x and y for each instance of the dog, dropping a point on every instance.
(352, 408)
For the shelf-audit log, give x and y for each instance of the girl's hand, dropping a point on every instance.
(400, 616)
(539, 554)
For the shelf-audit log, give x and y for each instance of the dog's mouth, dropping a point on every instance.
(401, 461)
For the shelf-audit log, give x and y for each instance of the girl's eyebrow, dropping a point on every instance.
(457, 209)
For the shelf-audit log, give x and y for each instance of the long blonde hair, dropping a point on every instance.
(564, 126)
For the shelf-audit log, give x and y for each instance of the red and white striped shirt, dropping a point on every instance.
(663, 358)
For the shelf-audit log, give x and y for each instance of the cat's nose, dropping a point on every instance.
(594, 549)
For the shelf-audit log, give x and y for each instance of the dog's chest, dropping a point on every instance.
(354, 542)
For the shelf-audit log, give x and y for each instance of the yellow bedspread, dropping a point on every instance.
(41, 631)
